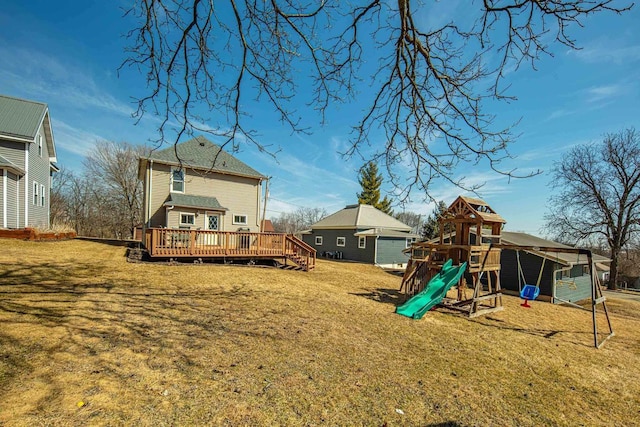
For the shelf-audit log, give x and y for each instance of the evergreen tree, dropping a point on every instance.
(370, 181)
(431, 228)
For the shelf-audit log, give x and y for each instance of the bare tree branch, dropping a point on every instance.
(429, 88)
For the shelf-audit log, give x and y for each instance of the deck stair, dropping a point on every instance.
(300, 253)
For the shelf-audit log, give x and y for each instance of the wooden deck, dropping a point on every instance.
(175, 243)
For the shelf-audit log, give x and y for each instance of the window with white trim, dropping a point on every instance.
(42, 195)
(410, 241)
(240, 219)
(177, 180)
(341, 241)
(39, 145)
(35, 193)
(318, 240)
(187, 219)
(362, 242)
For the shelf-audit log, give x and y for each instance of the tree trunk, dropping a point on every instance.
(613, 272)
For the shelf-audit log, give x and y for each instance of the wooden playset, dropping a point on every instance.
(470, 232)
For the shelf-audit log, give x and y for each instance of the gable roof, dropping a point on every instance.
(20, 119)
(198, 202)
(473, 208)
(360, 217)
(200, 153)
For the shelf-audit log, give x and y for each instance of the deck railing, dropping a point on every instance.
(176, 243)
(478, 257)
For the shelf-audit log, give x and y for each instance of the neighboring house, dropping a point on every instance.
(202, 187)
(565, 277)
(27, 156)
(361, 233)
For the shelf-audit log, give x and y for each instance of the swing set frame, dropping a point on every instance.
(597, 298)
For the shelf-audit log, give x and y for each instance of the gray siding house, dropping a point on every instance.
(200, 187)
(361, 233)
(27, 156)
(565, 277)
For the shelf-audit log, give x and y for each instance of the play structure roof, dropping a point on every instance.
(472, 208)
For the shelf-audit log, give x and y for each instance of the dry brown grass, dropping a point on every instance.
(143, 344)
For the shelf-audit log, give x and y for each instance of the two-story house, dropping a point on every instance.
(197, 185)
(27, 153)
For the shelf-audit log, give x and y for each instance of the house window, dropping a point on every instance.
(318, 240)
(240, 219)
(42, 198)
(36, 197)
(187, 219)
(177, 180)
(410, 241)
(341, 241)
(362, 242)
(40, 145)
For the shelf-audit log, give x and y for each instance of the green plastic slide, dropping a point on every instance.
(434, 292)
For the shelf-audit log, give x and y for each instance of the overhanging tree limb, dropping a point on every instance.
(431, 85)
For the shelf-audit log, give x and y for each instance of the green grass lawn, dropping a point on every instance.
(89, 339)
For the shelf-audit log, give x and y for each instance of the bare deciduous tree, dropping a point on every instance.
(599, 194)
(412, 219)
(60, 215)
(428, 83)
(298, 220)
(114, 165)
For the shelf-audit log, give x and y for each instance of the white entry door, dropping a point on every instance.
(212, 223)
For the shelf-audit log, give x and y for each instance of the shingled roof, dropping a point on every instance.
(198, 202)
(360, 217)
(200, 153)
(524, 239)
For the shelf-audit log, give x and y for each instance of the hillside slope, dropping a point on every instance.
(89, 339)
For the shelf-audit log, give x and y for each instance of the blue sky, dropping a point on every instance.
(67, 54)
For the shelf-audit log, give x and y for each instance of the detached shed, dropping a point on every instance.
(565, 277)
